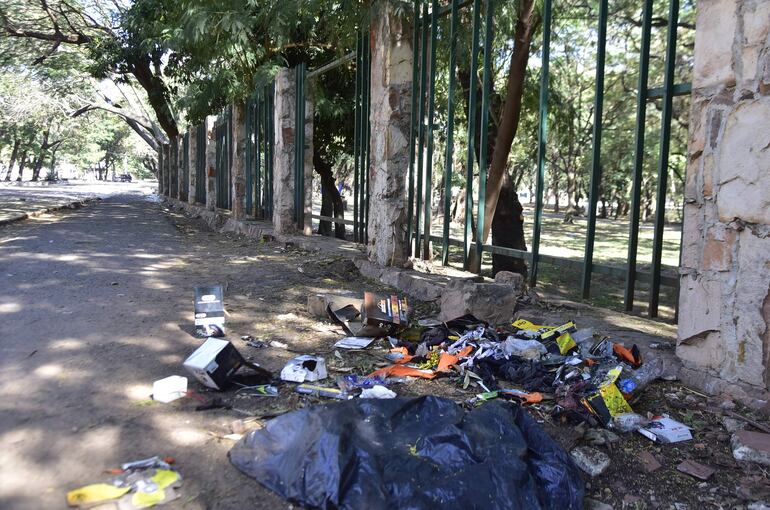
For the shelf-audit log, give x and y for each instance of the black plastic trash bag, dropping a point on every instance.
(421, 453)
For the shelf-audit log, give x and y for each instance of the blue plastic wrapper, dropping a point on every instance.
(416, 453)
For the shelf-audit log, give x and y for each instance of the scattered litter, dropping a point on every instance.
(377, 392)
(209, 311)
(216, 361)
(138, 484)
(429, 323)
(169, 389)
(410, 452)
(695, 469)
(354, 342)
(351, 382)
(629, 422)
(322, 391)
(529, 349)
(666, 430)
(304, 368)
(278, 345)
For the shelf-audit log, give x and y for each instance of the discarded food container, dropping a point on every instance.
(216, 361)
(169, 389)
(666, 430)
(209, 311)
(608, 402)
(304, 368)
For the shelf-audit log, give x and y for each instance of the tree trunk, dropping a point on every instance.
(22, 164)
(41, 156)
(331, 200)
(14, 155)
(509, 123)
(157, 95)
(508, 229)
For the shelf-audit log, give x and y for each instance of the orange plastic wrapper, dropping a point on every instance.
(447, 360)
(402, 371)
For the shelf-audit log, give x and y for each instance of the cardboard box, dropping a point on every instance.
(381, 316)
(209, 310)
(214, 363)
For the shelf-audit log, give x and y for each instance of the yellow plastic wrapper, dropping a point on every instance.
(565, 343)
(95, 493)
(528, 326)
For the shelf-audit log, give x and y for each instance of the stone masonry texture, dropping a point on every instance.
(391, 86)
(724, 307)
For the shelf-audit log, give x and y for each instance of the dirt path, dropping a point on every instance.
(96, 305)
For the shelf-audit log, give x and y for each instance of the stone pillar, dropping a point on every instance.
(174, 169)
(211, 167)
(192, 158)
(724, 304)
(167, 169)
(283, 152)
(160, 169)
(182, 173)
(391, 92)
(239, 161)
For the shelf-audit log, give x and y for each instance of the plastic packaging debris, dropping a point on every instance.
(216, 361)
(644, 375)
(322, 391)
(377, 392)
(583, 335)
(304, 368)
(629, 422)
(529, 349)
(169, 389)
(209, 311)
(429, 323)
(138, 484)
(351, 382)
(418, 453)
(354, 342)
(631, 356)
(665, 430)
(608, 402)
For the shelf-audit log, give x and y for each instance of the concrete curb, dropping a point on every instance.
(34, 214)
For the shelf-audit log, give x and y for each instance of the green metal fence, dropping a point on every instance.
(427, 15)
(361, 137)
(259, 153)
(223, 128)
(200, 163)
(185, 167)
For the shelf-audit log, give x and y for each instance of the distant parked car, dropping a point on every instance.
(124, 177)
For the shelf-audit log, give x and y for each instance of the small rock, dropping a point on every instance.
(598, 437)
(515, 280)
(732, 425)
(649, 462)
(759, 505)
(695, 469)
(751, 446)
(635, 502)
(727, 404)
(590, 460)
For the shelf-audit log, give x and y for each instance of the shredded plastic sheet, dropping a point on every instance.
(421, 453)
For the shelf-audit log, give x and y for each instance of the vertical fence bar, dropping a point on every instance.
(248, 202)
(426, 252)
(299, 147)
(356, 138)
(269, 141)
(258, 213)
(413, 121)
(471, 156)
(665, 141)
(486, 84)
(596, 164)
(449, 131)
(542, 139)
(368, 132)
(636, 189)
(421, 128)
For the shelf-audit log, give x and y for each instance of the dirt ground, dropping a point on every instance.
(97, 304)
